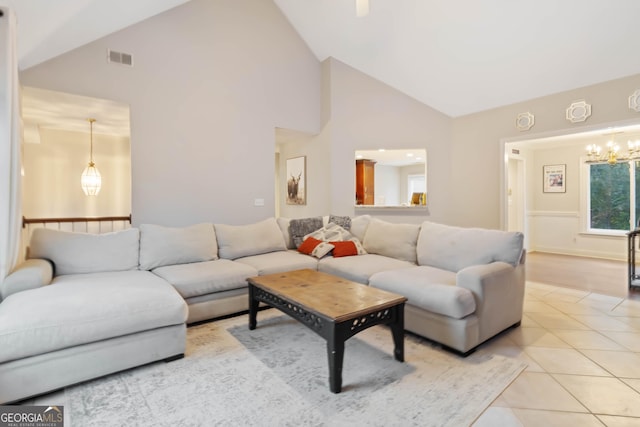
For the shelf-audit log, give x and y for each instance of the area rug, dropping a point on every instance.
(277, 375)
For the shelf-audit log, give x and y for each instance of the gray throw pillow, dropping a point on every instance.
(342, 221)
(298, 228)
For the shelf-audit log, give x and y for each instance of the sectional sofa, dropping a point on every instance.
(83, 305)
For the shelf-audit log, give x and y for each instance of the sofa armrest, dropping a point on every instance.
(30, 274)
(498, 289)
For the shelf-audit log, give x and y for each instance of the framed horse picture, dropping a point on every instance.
(297, 181)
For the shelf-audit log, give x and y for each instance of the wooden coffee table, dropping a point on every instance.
(333, 307)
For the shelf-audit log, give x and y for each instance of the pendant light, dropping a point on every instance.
(91, 180)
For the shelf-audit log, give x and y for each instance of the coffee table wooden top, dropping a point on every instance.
(332, 296)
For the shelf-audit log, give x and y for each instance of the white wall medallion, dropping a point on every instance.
(524, 121)
(634, 101)
(579, 111)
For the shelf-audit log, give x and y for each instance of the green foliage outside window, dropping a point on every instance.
(610, 196)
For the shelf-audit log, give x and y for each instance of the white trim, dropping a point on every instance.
(581, 252)
(563, 214)
(605, 233)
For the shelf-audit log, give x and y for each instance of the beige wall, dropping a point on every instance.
(52, 169)
(367, 114)
(562, 202)
(315, 148)
(477, 156)
(556, 222)
(211, 80)
(359, 112)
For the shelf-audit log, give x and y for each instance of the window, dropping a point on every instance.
(613, 201)
(416, 184)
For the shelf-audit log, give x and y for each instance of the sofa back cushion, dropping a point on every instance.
(454, 248)
(359, 226)
(76, 253)
(393, 240)
(283, 223)
(236, 241)
(160, 246)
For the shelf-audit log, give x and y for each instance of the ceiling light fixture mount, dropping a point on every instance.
(91, 180)
(362, 8)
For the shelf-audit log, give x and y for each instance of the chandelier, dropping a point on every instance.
(91, 181)
(613, 154)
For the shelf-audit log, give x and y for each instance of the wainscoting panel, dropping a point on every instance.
(559, 232)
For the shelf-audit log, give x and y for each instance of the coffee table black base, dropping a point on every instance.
(335, 333)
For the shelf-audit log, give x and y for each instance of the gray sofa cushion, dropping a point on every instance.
(360, 268)
(277, 262)
(168, 245)
(75, 253)
(428, 288)
(392, 240)
(83, 308)
(454, 248)
(236, 241)
(202, 278)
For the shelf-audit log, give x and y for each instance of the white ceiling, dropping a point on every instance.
(47, 109)
(48, 28)
(394, 157)
(465, 56)
(457, 56)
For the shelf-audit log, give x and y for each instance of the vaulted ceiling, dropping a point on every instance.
(457, 56)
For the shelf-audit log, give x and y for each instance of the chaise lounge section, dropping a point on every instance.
(87, 311)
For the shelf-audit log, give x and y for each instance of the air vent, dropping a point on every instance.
(120, 57)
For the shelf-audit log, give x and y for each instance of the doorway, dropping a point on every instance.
(59, 142)
(515, 195)
(555, 221)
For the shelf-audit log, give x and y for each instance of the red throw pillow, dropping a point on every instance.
(308, 245)
(347, 248)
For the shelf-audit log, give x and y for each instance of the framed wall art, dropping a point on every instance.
(297, 181)
(554, 178)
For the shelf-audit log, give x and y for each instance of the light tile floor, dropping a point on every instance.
(583, 356)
